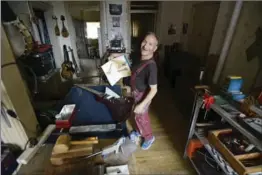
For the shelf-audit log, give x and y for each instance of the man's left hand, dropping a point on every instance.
(140, 108)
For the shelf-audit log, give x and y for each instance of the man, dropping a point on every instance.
(143, 84)
(144, 88)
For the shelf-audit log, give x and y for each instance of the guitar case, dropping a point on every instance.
(120, 108)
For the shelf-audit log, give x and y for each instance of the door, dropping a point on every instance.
(141, 24)
(204, 19)
(81, 45)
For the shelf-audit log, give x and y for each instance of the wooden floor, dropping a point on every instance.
(170, 130)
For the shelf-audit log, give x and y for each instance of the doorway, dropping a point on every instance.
(204, 19)
(141, 24)
(143, 20)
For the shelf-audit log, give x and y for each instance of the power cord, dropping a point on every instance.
(12, 114)
(32, 141)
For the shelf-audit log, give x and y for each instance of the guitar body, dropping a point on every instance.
(64, 30)
(57, 31)
(74, 60)
(67, 70)
(67, 66)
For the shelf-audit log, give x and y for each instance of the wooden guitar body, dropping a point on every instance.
(67, 66)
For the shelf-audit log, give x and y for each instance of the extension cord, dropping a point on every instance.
(26, 156)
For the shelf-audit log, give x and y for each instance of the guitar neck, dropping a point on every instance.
(73, 57)
(66, 56)
(100, 94)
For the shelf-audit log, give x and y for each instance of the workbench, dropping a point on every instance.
(224, 165)
(40, 164)
(88, 111)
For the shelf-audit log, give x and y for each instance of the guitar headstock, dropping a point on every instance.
(62, 18)
(70, 49)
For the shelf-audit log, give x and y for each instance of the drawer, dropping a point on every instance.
(234, 160)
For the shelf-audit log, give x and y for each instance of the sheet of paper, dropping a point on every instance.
(122, 66)
(111, 72)
(111, 93)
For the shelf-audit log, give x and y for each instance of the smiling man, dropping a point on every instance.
(144, 88)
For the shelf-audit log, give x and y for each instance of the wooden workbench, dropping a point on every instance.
(40, 164)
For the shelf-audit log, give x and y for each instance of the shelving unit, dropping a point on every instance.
(224, 165)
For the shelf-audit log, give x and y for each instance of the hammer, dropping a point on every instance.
(63, 143)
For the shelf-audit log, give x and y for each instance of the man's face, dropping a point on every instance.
(148, 45)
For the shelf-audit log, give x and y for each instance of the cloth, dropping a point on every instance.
(142, 120)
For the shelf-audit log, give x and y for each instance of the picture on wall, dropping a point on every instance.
(171, 30)
(116, 21)
(115, 9)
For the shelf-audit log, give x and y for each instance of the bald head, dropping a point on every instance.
(149, 45)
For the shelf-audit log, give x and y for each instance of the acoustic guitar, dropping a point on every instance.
(64, 30)
(67, 66)
(74, 60)
(57, 31)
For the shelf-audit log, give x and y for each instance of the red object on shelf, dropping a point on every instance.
(40, 48)
(66, 116)
(192, 146)
(208, 101)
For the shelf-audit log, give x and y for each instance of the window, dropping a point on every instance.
(92, 30)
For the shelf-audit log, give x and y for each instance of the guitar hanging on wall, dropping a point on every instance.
(57, 31)
(64, 30)
(67, 66)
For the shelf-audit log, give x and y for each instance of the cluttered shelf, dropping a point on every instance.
(232, 121)
(225, 126)
(224, 165)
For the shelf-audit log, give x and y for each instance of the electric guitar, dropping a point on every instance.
(74, 60)
(64, 30)
(57, 31)
(67, 66)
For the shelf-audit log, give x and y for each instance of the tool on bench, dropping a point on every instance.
(64, 143)
(66, 150)
(208, 101)
(95, 128)
(118, 153)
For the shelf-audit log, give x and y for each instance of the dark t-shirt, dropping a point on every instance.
(147, 77)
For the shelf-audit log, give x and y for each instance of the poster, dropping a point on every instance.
(116, 21)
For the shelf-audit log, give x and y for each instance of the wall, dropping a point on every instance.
(170, 12)
(15, 96)
(236, 61)
(222, 22)
(107, 29)
(60, 8)
(56, 8)
(187, 18)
